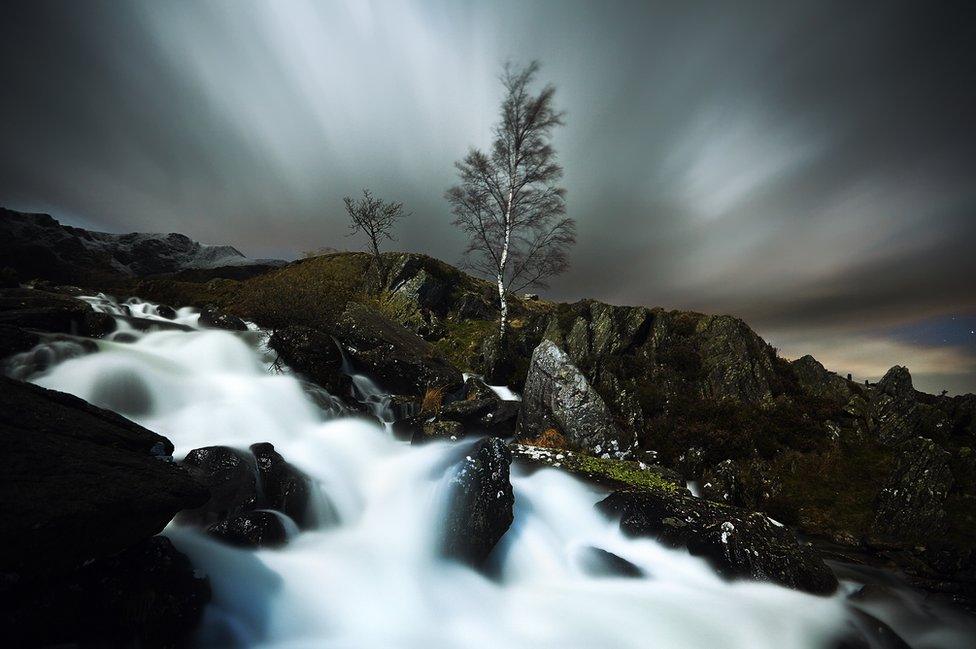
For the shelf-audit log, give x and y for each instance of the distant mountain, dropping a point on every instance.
(37, 245)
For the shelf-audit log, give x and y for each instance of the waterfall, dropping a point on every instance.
(375, 578)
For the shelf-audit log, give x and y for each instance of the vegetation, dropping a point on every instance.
(375, 218)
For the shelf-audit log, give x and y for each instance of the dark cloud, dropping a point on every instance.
(805, 165)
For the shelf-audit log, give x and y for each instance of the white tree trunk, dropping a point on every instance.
(502, 263)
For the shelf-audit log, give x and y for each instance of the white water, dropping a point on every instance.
(375, 579)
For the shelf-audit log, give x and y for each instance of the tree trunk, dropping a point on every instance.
(503, 262)
(503, 305)
(379, 261)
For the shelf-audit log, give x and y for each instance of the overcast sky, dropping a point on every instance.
(808, 166)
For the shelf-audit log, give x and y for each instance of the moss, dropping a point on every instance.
(462, 343)
(620, 472)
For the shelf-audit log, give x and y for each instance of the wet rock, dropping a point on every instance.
(215, 319)
(430, 430)
(721, 484)
(397, 359)
(557, 395)
(257, 529)
(616, 474)
(911, 505)
(166, 311)
(232, 479)
(79, 482)
(49, 312)
(284, 487)
(487, 415)
(597, 562)
(144, 596)
(738, 544)
(479, 509)
(312, 354)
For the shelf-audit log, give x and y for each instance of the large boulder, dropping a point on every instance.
(257, 529)
(557, 395)
(313, 354)
(232, 479)
(399, 360)
(283, 487)
(911, 505)
(79, 482)
(814, 379)
(737, 543)
(50, 312)
(214, 318)
(145, 596)
(479, 509)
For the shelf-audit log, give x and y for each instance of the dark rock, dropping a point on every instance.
(488, 415)
(14, 340)
(474, 306)
(79, 482)
(911, 505)
(285, 488)
(479, 510)
(397, 359)
(50, 312)
(144, 596)
(737, 543)
(211, 317)
(721, 484)
(557, 395)
(257, 529)
(431, 430)
(597, 562)
(165, 311)
(314, 355)
(894, 409)
(232, 478)
(815, 380)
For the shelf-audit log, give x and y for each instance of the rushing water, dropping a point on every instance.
(370, 575)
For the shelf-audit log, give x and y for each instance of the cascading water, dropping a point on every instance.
(371, 575)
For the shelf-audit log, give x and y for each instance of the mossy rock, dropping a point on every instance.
(617, 474)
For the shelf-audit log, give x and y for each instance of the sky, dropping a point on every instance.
(807, 166)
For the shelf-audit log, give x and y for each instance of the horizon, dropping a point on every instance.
(807, 176)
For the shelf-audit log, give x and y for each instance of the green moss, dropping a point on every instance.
(462, 343)
(621, 472)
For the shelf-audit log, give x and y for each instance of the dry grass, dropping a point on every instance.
(432, 400)
(549, 438)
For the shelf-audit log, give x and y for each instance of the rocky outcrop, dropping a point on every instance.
(557, 395)
(911, 505)
(145, 596)
(397, 359)
(214, 318)
(35, 310)
(815, 380)
(312, 354)
(616, 474)
(737, 543)
(479, 508)
(251, 494)
(79, 482)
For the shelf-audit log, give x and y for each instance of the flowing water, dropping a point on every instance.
(370, 574)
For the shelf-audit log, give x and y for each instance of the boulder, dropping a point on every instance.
(79, 482)
(479, 508)
(284, 488)
(211, 317)
(312, 354)
(431, 430)
(597, 562)
(815, 380)
(50, 312)
(257, 529)
(145, 596)
(737, 543)
(894, 409)
(399, 360)
(911, 505)
(616, 474)
(488, 415)
(230, 475)
(557, 395)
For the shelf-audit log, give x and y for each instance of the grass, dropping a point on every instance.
(462, 343)
(432, 400)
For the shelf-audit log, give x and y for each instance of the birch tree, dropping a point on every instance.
(508, 199)
(375, 218)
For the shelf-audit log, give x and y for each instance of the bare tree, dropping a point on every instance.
(508, 199)
(376, 219)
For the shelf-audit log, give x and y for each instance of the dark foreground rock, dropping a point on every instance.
(479, 510)
(36, 310)
(212, 317)
(79, 482)
(911, 505)
(144, 596)
(312, 354)
(243, 487)
(737, 543)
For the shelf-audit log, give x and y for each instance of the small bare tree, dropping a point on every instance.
(376, 219)
(508, 199)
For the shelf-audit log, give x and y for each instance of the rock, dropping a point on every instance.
(911, 505)
(894, 409)
(166, 311)
(284, 487)
(312, 354)
(144, 596)
(232, 478)
(49, 312)
(435, 429)
(79, 482)
(397, 359)
(211, 317)
(488, 415)
(257, 529)
(815, 380)
(557, 395)
(597, 562)
(721, 484)
(616, 474)
(737, 543)
(14, 340)
(479, 509)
